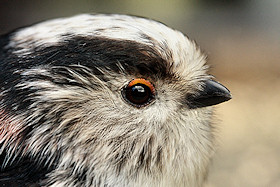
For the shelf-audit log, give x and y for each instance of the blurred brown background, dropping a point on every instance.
(242, 40)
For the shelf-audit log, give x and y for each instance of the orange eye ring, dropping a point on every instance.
(139, 92)
(142, 81)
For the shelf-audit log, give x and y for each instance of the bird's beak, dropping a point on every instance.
(212, 93)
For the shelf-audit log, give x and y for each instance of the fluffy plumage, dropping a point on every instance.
(63, 120)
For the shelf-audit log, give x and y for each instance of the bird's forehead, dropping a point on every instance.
(171, 45)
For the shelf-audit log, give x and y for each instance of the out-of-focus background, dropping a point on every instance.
(242, 40)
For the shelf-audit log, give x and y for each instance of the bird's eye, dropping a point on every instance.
(139, 93)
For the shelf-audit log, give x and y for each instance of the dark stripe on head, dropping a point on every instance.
(136, 59)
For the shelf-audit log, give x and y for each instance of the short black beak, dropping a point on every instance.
(212, 93)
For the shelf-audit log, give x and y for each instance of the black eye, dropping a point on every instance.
(139, 93)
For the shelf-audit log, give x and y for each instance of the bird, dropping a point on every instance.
(105, 100)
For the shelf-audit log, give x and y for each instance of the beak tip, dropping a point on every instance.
(227, 97)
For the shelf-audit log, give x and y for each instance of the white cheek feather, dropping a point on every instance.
(168, 42)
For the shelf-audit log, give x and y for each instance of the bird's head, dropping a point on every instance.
(108, 90)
